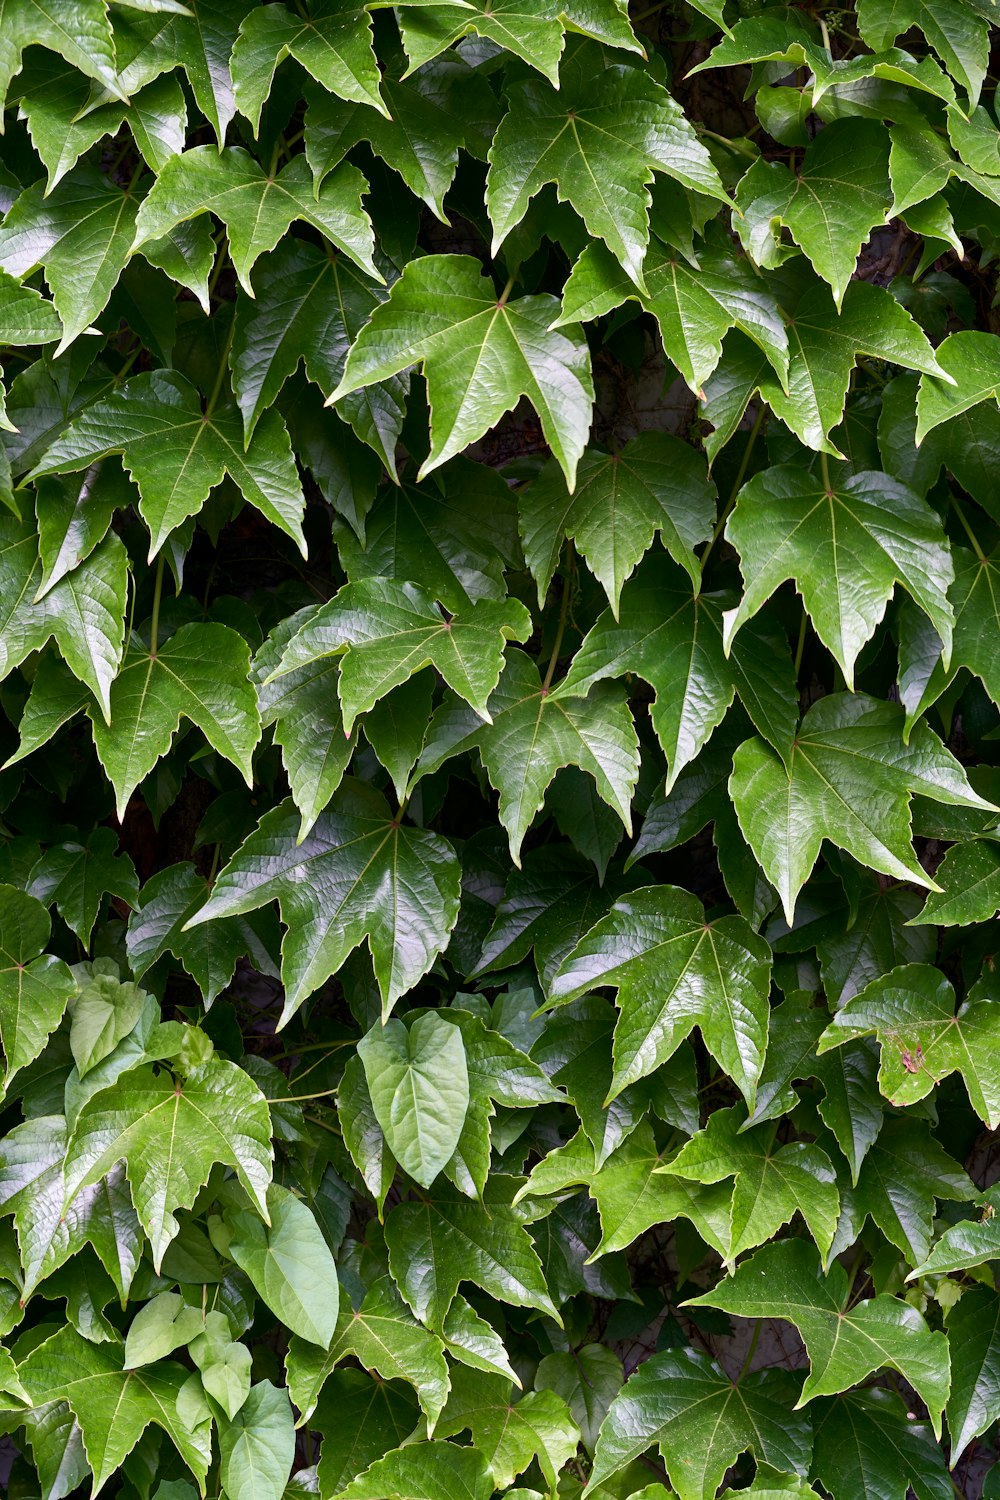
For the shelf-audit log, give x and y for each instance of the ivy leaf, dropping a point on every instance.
(201, 673)
(32, 1189)
(655, 484)
(425, 1471)
(479, 357)
(829, 207)
(533, 735)
(656, 948)
(902, 1176)
(361, 1419)
(418, 1079)
(358, 874)
(912, 1013)
(386, 631)
(694, 304)
(104, 1012)
(383, 1336)
(849, 780)
(25, 315)
(675, 642)
(971, 1242)
(289, 1264)
(845, 548)
(437, 1244)
(208, 954)
(824, 344)
(255, 208)
(957, 35)
(974, 1332)
(34, 990)
(845, 1344)
(973, 365)
(81, 33)
(309, 726)
(600, 143)
(867, 1444)
(771, 1185)
(114, 1406)
(217, 1111)
(310, 305)
(363, 1134)
(257, 1448)
(333, 42)
(977, 615)
(76, 877)
(531, 30)
(201, 40)
(80, 234)
(511, 1434)
(84, 612)
(701, 1422)
(177, 454)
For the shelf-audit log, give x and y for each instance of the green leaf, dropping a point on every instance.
(158, 1328)
(437, 1244)
(201, 673)
(177, 455)
(77, 877)
(956, 34)
(532, 735)
(80, 234)
(79, 31)
(256, 208)
(362, 1133)
(701, 1422)
(845, 1344)
(358, 874)
(35, 988)
(655, 484)
(310, 305)
(84, 612)
(32, 1189)
(531, 30)
(25, 316)
(104, 1012)
(600, 143)
(257, 1448)
(588, 1380)
(217, 1111)
(361, 1419)
(973, 364)
(912, 1013)
(383, 1336)
(695, 303)
(333, 42)
(418, 1080)
(867, 1444)
(289, 1264)
(479, 357)
(114, 1406)
(829, 207)
(425, 1471)
(673, 971)
(510, 1433)
(675, 642)
(772, 1183)
(849, 780)
(386, 631)
(223, 1363)
(845, 548)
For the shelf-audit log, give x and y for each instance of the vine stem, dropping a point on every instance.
(963, 518)
(561, 627)
(154, 626)
(741, 473)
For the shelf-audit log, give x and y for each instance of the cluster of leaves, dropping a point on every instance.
(500, 791)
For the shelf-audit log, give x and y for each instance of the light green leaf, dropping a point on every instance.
(104, 1012)
(289, 1264)
(333, 42)
(425, 1471)
(34, 990)
(418, 1080)
(958, 36)
(160, 1326)
(217, 1111)
(972, 360)
(257, 1449)
(479, 357)
(511, 1434)
(78, 30)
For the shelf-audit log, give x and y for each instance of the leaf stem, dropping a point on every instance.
(751, 1350)
(736, 486)
(563, 617)
(222, 371)
(963, 518)
(800, 645)
(824, 468)
(502, 299)
(154, 624)
(301, 1098)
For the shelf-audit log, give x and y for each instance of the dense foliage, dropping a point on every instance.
(500, 806)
